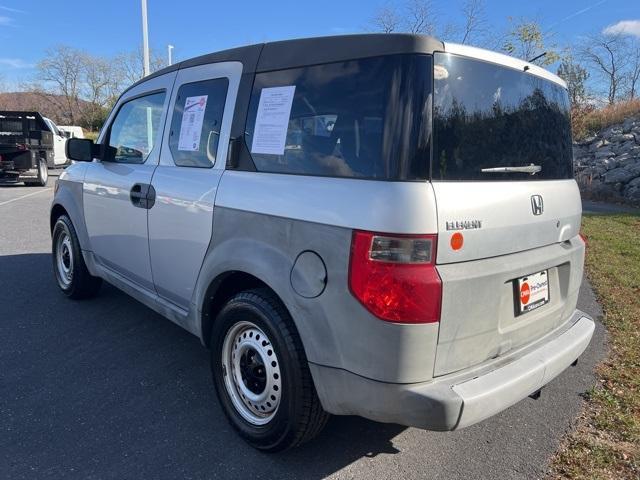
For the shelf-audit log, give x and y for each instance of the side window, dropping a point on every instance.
(367, 118)
(135, 129)
(196, 122)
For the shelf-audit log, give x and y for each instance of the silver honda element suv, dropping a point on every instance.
(374, 225)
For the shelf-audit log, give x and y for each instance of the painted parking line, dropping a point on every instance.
(24, 196)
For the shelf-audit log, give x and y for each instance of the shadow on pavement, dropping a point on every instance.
(107, 388)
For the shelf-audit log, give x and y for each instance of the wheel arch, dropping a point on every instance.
(220, 290)
(57, 210)
(249, 259)
(68, 201)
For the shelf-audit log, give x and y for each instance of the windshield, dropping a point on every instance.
(490, 120)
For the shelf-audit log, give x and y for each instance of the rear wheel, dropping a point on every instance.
(69, 268)
(261, 373)
(43, 175)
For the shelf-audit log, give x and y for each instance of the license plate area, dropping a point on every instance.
(531, 292)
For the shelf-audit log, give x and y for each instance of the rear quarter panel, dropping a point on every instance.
(262, 222)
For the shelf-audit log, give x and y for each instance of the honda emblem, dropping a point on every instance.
(537, 205)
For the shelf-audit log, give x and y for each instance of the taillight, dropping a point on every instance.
(394, 276)
(583, 238)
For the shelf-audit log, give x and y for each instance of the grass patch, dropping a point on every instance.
(606, 442)
(589, 121)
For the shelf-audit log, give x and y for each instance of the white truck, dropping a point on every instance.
(59, 143)
(71, 131)
(30, 144)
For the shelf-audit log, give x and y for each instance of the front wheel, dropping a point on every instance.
(261, 373)
(69, 268)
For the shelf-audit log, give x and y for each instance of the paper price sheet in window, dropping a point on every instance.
(191, 127)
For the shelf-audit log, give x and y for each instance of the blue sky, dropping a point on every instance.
(29, 27)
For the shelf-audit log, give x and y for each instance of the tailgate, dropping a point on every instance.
(505, 238)
(478, 320)
(497, 218)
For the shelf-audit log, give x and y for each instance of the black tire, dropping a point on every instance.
(299, 415)
(43, 175)
(78, 283)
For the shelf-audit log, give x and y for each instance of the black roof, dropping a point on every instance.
(310, 51)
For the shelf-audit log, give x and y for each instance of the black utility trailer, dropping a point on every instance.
(26, 148)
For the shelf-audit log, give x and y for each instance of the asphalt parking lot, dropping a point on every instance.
(106, 388)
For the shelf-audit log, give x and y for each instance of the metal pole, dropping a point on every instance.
(145, 39)
(169, 51)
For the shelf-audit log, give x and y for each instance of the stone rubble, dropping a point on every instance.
(607, 165)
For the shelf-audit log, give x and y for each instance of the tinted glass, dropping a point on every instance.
(134, 131)
(488, 116)
(365, 118)
(195, 126)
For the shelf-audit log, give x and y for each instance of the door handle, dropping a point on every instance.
(143, 195)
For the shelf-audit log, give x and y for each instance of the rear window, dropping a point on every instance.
(487, 117)
(367, 118)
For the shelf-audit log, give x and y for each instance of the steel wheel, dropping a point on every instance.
(64, 258)
(43, 171)
(251, 373)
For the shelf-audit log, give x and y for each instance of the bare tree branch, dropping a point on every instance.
(412, 16)
(633, 75)
(60, 72)
(605, 53)
(420, 17)
(475, 21)
(386, 19)
(130, 65)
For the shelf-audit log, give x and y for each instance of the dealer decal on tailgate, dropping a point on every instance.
(532, 292)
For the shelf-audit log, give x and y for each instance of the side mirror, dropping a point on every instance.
(80, 149)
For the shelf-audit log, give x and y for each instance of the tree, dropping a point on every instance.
(59, 79)
(474, 24)
(605, 54)
(633, 75)
(386, 19)
(100, 89)
(413, 16)
(575, 75)
(421, 17)
(524, 39)
(130, 65)
(80, 87)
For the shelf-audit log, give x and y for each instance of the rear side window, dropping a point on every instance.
(490, 119)
(196, 121)
(134, 131)
(367, 118)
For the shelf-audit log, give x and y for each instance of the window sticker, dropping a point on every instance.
(191, 127)
(272, 120)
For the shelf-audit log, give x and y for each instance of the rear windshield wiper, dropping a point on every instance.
(531, 169)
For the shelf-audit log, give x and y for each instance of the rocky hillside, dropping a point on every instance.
(607, 165)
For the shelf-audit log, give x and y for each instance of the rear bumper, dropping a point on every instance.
(458, 400)
(18, 162)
